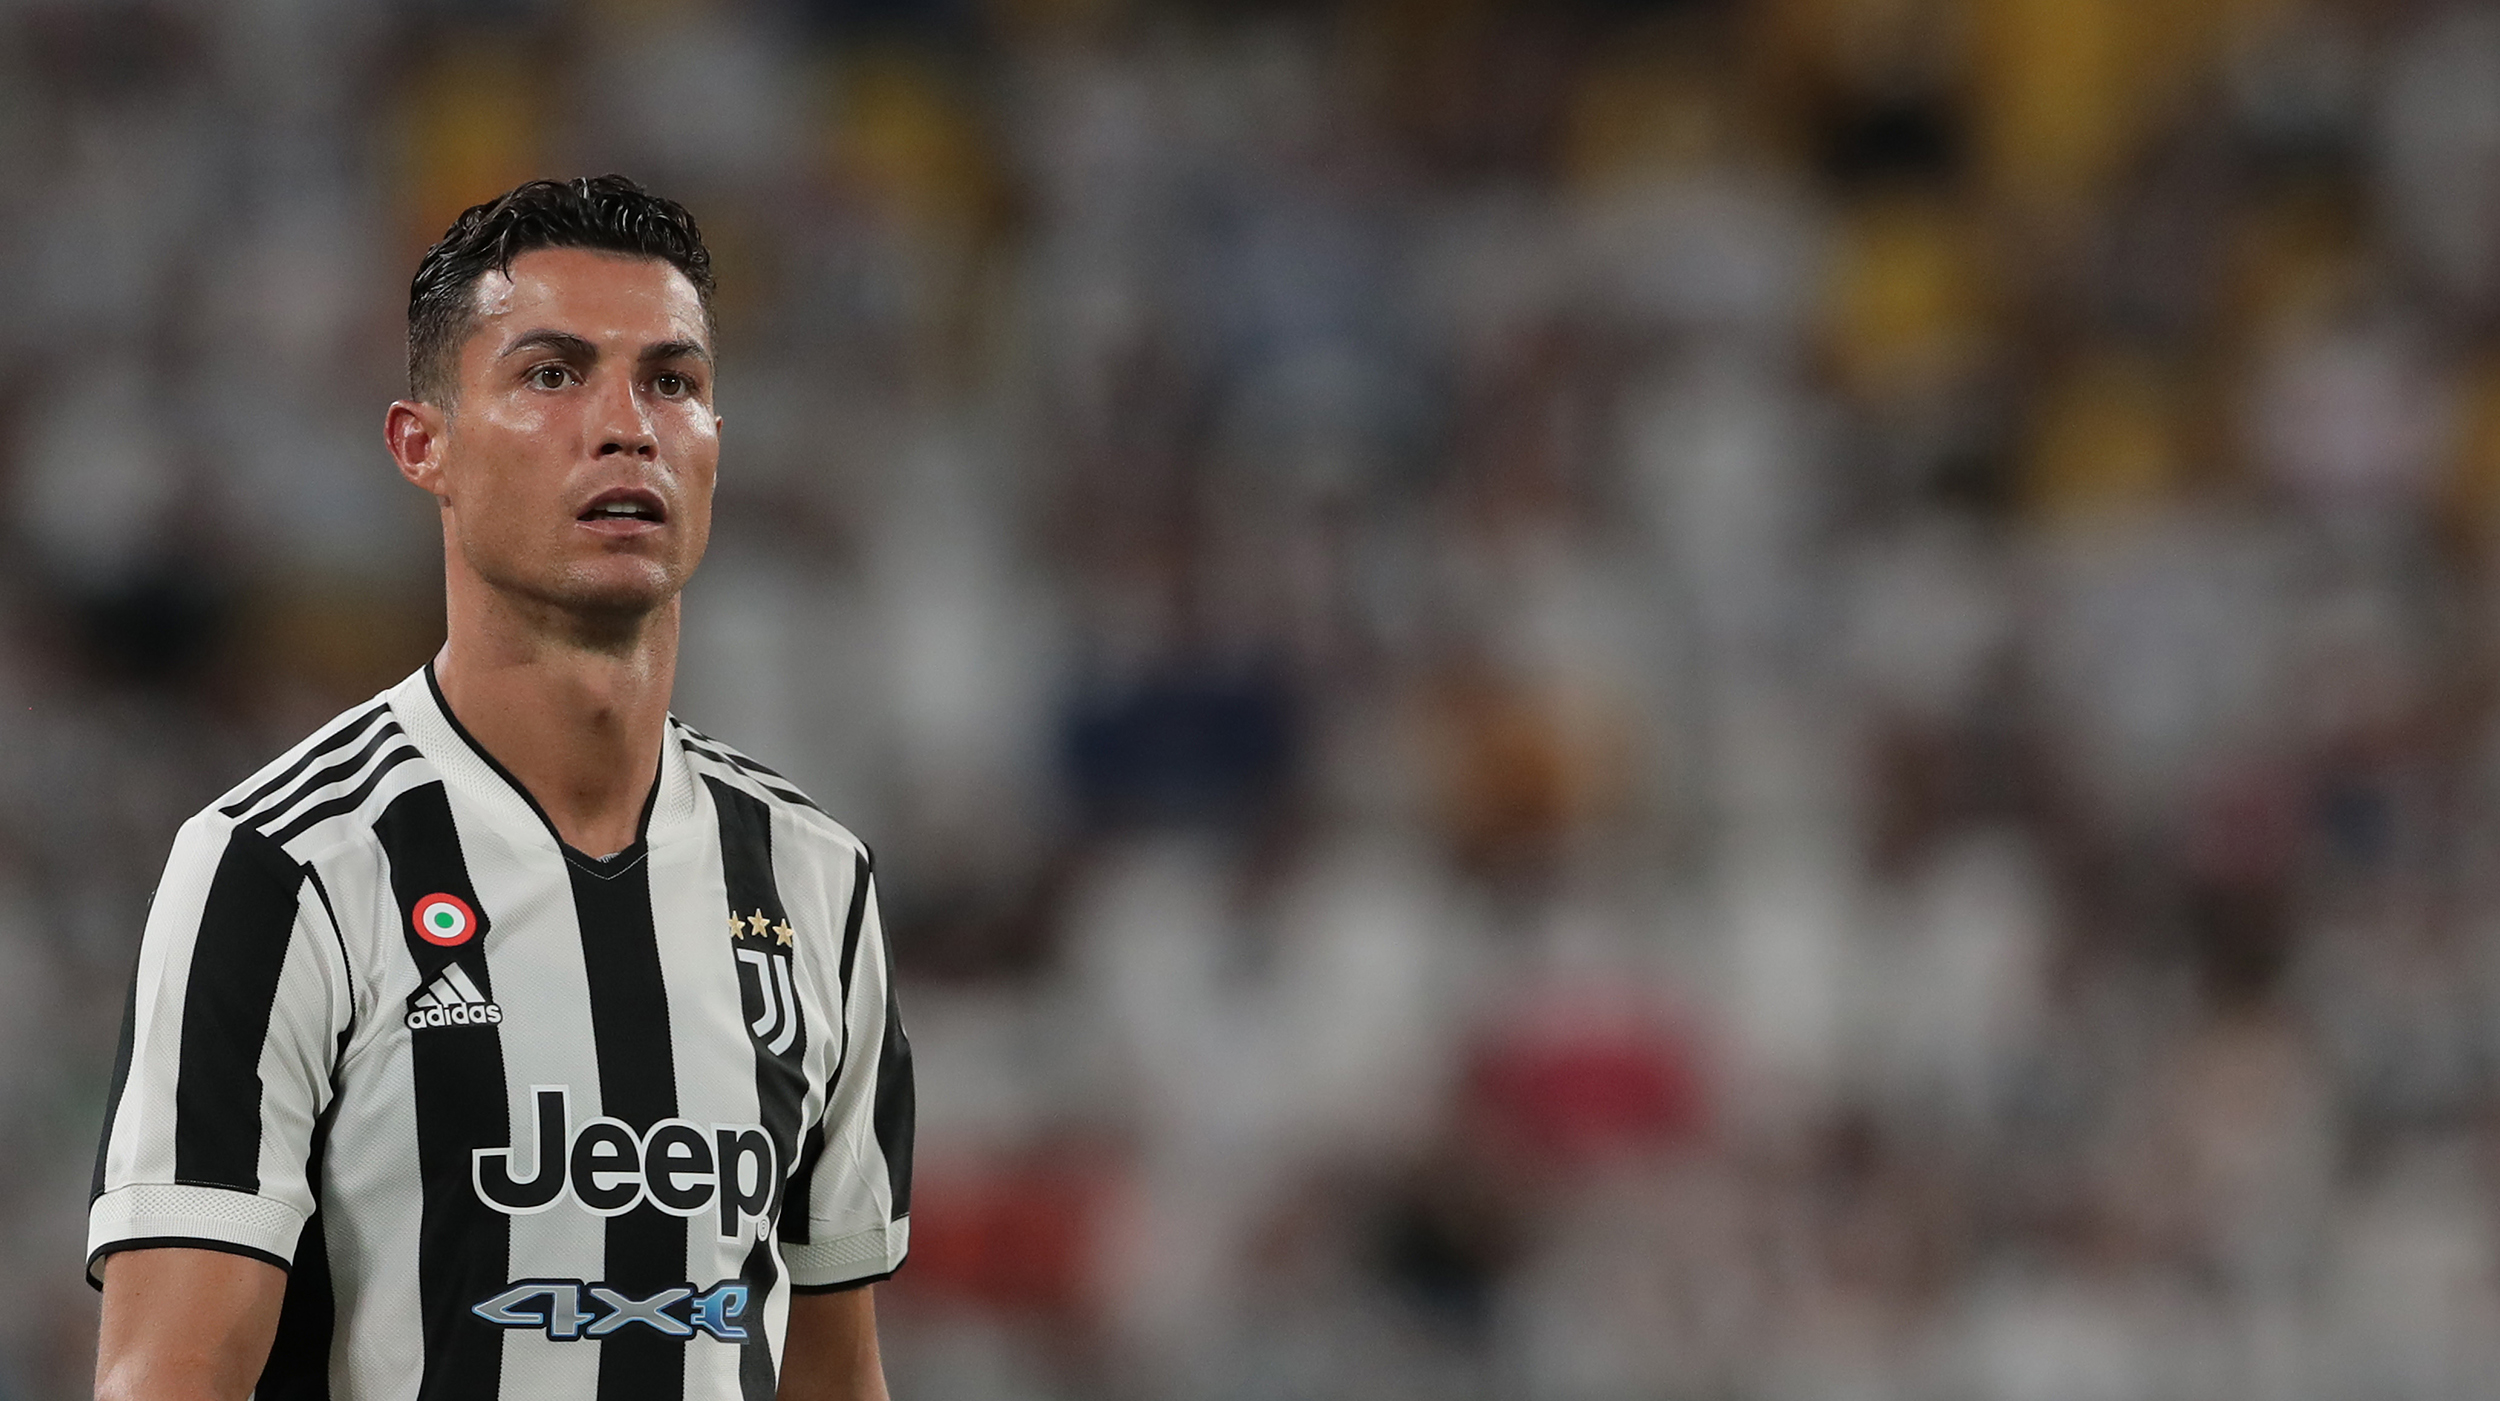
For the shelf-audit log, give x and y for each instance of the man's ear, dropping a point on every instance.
(413, 431)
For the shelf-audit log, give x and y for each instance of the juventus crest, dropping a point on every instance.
(765, 947)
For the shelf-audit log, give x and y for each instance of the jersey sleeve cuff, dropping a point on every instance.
(846, 1262)
(145, 1215)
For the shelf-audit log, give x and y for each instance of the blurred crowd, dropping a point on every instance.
(1569, 701)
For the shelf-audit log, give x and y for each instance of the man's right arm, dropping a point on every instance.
(185, 1325)
(201, 1189)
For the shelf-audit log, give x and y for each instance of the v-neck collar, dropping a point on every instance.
(607, 869)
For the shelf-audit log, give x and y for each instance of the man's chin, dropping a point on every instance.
(602, 600)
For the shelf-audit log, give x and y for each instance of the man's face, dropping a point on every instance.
(575, 468)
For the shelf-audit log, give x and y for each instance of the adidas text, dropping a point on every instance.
(458, 1014)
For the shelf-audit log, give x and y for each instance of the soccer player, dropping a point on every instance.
(508, 1038)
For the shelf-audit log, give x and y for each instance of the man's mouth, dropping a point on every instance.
(625, 504)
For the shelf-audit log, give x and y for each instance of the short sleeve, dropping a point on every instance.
(236, 1010)
(849, 1218)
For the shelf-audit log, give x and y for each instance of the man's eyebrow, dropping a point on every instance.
(564, 343)
(676, 350)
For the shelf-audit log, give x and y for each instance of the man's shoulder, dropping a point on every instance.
(723, 766)
(330, 775)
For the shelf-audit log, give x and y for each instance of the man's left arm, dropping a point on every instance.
(852, 1211)
(831, 1352)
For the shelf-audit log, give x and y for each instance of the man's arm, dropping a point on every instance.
(831, 1351)
(193, 1325)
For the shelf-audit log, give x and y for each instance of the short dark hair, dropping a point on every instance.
(605, 213)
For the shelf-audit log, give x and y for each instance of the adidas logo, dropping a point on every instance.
(452, 1000)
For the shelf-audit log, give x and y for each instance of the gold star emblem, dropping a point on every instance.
(737, 927)
(759, 923)
(784, 932)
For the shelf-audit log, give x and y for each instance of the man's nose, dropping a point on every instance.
(624, 421)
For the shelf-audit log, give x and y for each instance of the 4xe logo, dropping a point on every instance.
(608, 1169)
(556, 1308)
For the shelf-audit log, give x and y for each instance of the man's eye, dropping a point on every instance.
(670, 384)
(551, 376)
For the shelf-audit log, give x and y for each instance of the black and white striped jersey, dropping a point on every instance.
(519, 1122)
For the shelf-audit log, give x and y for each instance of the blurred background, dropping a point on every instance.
(1569, 701)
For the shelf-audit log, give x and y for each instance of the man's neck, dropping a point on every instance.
(576, 714)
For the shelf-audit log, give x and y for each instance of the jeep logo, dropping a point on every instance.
(608, 1169)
